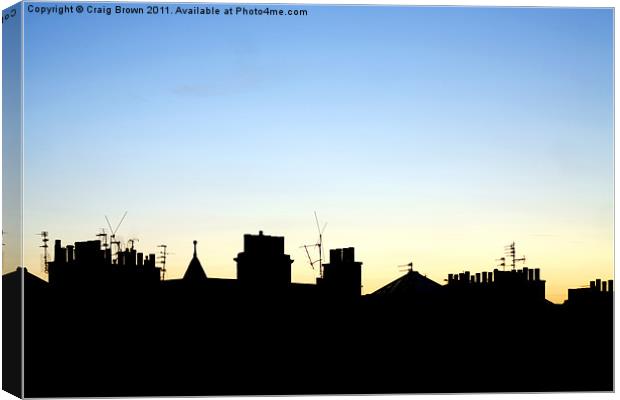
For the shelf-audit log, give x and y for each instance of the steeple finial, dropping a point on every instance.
(194, 271)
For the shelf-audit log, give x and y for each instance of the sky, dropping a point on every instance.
(427, 134)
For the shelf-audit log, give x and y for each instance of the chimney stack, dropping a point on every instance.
(69, 253)
(58, 253)
(335, 256)
(348, 255)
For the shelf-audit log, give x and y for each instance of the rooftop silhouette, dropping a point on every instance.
(261, 333)
(194, 271)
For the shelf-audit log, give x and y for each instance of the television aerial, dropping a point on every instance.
(44, 238)
(406, 267)
(318, 245)
(113, 237)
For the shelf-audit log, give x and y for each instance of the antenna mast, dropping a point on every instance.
(163, 254)
(103, 235)
(132, 241)
(409, 267)
(511, 252)
(113, 236)
(319, 244)
(44, 238)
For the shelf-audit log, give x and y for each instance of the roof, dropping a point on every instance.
(194, 270)
(410, 284)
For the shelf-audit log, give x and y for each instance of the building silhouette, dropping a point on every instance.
(88, 265)
(598, 294)
(410, 289)
(342, 276)
(107, 325)
(194, 272)
(516, 287)
(263, 262)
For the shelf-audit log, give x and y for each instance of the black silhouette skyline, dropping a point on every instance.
(431, 131)
(108, 325)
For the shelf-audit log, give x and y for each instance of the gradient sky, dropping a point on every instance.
(436, 135)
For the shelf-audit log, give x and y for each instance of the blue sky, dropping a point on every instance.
(413, 131)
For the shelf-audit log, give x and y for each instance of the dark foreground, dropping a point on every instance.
(192, 342)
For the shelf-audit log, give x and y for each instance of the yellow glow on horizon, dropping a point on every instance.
(567, 260)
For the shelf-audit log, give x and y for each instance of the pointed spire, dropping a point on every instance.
(194, 271)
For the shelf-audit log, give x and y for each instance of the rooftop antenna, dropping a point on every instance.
(163, 254)
(113, 236)
(44, 238)
(409, 267)
(132, 241)
(104, 241)
(512, 253)
(502, 264)
(320, 231)
(319, 245)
